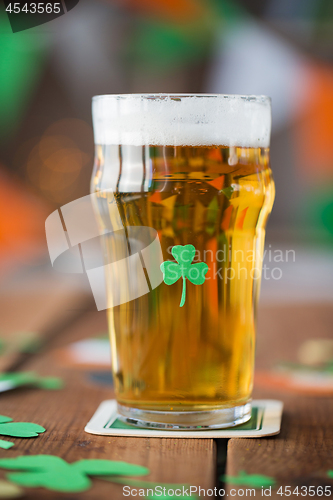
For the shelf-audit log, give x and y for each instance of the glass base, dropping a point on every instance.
(185, 420)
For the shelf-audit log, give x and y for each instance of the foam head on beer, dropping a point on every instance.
(164, 120)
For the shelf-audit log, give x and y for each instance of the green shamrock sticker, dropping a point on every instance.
(172, 272)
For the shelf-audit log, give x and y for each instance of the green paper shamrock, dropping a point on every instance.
(254, 480)
(19, 429)
(12, 380)
(56, 474)
(184, 255)
(5, 445)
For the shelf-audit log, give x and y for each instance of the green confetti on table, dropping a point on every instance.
(19, 379)
(4, 420)
(19, 429)
(50, 383)
(5, 445)
(172, 272)
(254, 480)
(56, 474)
(9, 490)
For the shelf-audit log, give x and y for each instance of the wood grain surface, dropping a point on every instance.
(64, 414)
(299, 456)
(302, 453)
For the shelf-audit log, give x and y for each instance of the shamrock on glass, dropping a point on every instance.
(172, 272)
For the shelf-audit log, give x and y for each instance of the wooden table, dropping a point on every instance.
(300, 455)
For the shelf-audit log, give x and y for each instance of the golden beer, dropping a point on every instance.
(172, 360)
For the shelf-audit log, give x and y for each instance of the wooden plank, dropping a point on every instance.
(300, 456)
(302, 453)
(64, 414)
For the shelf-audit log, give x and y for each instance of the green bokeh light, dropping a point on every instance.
(22, 58)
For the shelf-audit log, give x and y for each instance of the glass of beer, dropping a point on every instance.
(184, 188)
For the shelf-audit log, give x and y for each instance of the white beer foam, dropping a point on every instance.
(182, 120)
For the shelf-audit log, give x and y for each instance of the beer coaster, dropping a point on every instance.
(265, 421)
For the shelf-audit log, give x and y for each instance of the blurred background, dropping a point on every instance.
(48, 75)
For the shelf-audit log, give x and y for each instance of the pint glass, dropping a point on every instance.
(184, 189)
